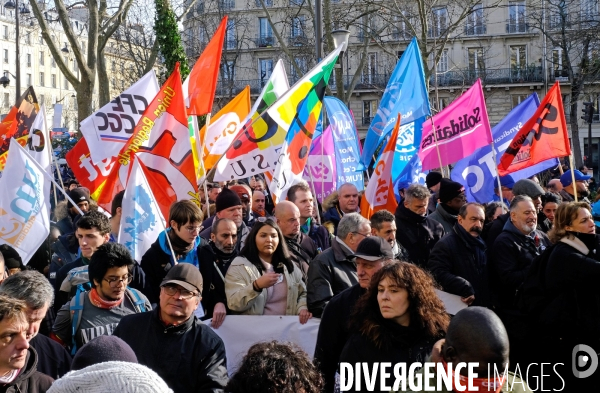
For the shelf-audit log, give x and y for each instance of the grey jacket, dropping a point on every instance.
(443, 217)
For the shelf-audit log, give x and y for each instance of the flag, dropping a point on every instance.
(405, 94)
(542, 137)
(276, 86)
(460, 129)
(24, 203)
(478, 171)
(411, 174)
(161, 141)
(258, 146)
(200, 85)
(407, 145)
(109, 128)
(320, 171)
(379, 194)
(18, 122)
(39, 145)
(224, 125)
(141, 219)
(298, 111)
(347, 150)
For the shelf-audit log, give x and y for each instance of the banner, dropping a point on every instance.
(345, 139)
(24, 203)
(57, 117)
(263, 328)
(405, 94)
(542, 137)
(407, 145)
(141, 220)
(411, 174)
(478, 172)
(38, 143)
(320, 170)
(460, 129)
(17, 123)
(109, 128)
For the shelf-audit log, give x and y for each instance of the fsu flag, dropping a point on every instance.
(544, 136)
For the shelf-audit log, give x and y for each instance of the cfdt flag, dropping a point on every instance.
(460, 129)
(405, 94)
(345, 139)
(320, 171)
(544, 136)
(478, 171)
(109, 128)
(24, 203)
(141, 219)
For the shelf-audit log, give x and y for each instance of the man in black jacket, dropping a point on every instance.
(301, 196)
(81, 197)
(170, 340)
(416, 232)
(458, 261)
(372, 254)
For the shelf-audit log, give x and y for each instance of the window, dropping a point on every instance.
(28, 38)
(76, 69)
(41, 79)
(517, 99)
(265, 33)
(227, 4)
(589, 10)
(29, 80)
(66, 84)
(301, 63)
(268, 3)
(517, 23)
(399, 28)
(558, 59)
(41, 58)
(439, 24)
(369, 28)
(475, 21)
(200, 7)
(558, 16)
(41, 40)
(369, 110)
(370, 71)
(518, 57)
(229, 70)
(442, 65)
(265, 69)
(41, 99)
(476, 60)
(53, 80)
(29, 60)
(6, 101)
(230, 36)
(298, 24)
(5, 31)
(5, 57)
(83, 47)
(52, 62)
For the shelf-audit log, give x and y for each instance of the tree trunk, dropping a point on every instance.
(85, 91)
(575, 145)
(103, 82)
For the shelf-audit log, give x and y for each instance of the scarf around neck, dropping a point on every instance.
(180, 246)
(101, 303)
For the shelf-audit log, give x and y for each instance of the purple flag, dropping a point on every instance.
(320, 172)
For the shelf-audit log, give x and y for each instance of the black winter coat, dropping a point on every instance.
(29, 380)
(302, 251)
(213, 286)
(53, 358)
(459, 265)
(417, 234)
(189, 357)
(494, 229)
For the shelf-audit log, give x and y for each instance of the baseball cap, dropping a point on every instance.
(241, 190)
(527, 187)
(566, 178)
(373, 248)
(185, 275)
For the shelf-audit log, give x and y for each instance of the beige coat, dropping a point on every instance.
(243, 299)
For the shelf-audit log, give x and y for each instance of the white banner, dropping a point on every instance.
(38, 143)
(240, 332)
(57, 118)
(24, 203)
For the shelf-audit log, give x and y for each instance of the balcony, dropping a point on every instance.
(558, 74)
(366, 121)
(475, 29)
(298, 40)
(499, 76)
(517, 27)
(226, 4)
(230, 44)
(264, 41)
(401, 35)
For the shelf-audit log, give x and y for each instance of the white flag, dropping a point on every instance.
(24, 203)
(39, 145)
(108, 129)
(141, 219)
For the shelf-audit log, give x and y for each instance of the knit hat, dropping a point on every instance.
(432, 179)
(79, 194)
(103, 349)
(374, 248)
(122, 377)
(227, 199)
(243, 191)
(566, 178)
(527, 187)
(449, 190)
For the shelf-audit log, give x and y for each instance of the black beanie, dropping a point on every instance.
(79, 194)
(432, 179)
(449, 190)
(103, 349)
(227, 199)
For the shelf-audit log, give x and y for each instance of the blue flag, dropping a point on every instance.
(410, 174)
(407, 145)
(345, 141)
(406, 93)
(478, 171)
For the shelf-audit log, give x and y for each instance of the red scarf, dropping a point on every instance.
(101, 303)
(480, 384)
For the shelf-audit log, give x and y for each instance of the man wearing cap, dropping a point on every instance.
(452, 197)
(173, 342)
(228, 205)
(581, 185)
(371, 255)
(432, 181)
(506, 185)
(81, 197)
(458, 261)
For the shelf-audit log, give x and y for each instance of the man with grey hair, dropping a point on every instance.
(334, 270)
(416, 232)
(35, 290)
(347, 202)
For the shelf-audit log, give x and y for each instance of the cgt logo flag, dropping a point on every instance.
(544, 136)
(141, 220)
(24, 203)
(460, 129)
(320, 171)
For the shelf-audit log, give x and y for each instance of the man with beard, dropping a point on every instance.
(215, 258)
(568, 192)
(228, 205)
(458, 261)
(383, 225)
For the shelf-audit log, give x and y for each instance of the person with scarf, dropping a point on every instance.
(458, 261)
(105, 304)
(301, 196)
(452, 197)
(180, 238)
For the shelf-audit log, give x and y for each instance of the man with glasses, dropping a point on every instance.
(173, 342)
(452, 197)
(334, 269)
(97, 312)
(181, 238)
(581, 185)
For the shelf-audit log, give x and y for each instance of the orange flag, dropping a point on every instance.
(199, 87)
(17, 123)
(379, 194)
(544, 136)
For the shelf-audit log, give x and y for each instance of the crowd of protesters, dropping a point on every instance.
(84, 316)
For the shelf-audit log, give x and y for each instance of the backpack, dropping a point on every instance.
(77, 281)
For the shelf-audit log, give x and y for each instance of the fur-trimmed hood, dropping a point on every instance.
(330, 201)
(61, 210)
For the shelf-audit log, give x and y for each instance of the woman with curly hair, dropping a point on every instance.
(398, 320)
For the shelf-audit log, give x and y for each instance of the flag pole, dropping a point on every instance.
(52, 160)
(573, 176)
(437, 147)
(316, 201)
(201, 159)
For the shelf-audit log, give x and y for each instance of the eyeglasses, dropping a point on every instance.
(193, 230)
(362, 234)
(183, 293)
(114, 282)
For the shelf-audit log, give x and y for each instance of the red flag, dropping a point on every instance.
(199, 87)
(544, 136)
(17, 123)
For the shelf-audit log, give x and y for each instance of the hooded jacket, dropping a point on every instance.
(29, 379)
(444, 217)
(213, 267)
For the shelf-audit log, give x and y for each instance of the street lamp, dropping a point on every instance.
(340, 38)
(10, 5)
